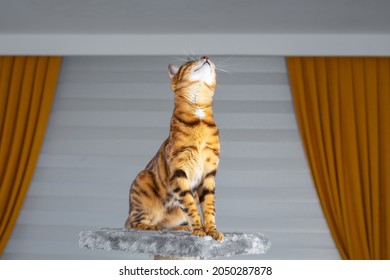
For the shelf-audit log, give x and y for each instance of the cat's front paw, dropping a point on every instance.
(217, 235)
(198, 232)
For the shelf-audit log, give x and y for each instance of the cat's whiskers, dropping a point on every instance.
(181, 59)
(222, 70)
(225, 64)
(191, 58)
(226, 59)
(232, 67)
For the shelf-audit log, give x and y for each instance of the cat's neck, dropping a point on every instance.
(194, 106)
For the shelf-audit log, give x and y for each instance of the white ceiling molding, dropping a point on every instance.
(221, 44)
(225, 27)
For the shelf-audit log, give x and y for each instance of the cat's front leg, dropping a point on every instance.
(180, 187)
(207, 204)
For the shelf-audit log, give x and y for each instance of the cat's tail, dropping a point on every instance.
(127, 223)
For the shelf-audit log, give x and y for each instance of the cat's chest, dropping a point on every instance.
(199, 113)
(195, 178)
(196, 175)
(199, 136)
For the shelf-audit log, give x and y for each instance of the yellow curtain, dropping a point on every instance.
(27, 87)
(343, 111)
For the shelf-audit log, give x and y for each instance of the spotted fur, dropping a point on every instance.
(181, 176)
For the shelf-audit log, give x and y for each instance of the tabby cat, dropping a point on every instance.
(166, 194)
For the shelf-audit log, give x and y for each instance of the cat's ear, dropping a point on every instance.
(172, 70)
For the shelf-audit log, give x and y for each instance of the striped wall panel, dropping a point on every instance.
(109, 118)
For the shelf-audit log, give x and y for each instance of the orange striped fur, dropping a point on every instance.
(166, 194)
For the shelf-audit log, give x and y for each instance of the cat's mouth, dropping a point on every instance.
(204, 71)
(204, 63)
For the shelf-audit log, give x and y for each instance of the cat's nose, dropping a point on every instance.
(205, 57)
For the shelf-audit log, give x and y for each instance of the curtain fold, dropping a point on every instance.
(27, 88)
(342, 106)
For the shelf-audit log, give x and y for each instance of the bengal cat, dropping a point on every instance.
(166, 194)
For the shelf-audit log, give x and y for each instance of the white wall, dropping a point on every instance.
(110, 116)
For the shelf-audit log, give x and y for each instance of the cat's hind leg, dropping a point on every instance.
(175, 219)
(142, 224)
(140, 221)
(146, 209)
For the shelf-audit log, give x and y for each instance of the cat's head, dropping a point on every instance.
(193, 73)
